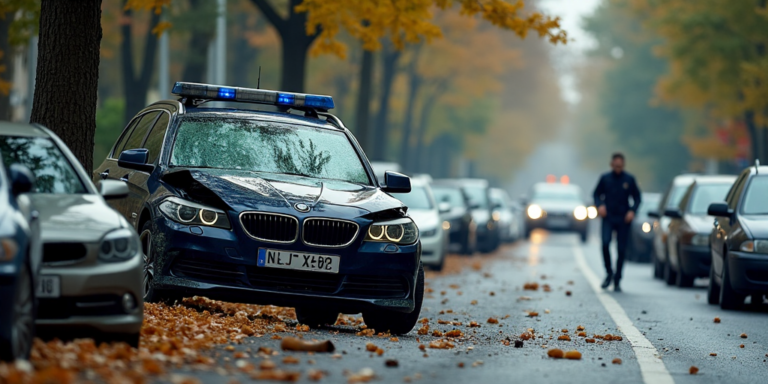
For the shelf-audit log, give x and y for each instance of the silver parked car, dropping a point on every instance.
(91, 276)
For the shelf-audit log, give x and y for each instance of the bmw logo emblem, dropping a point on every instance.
(301, 207)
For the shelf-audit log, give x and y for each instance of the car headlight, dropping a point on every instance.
(119, 245)
(189, 213)
(580, 212)
(646, 227)
(535, 212)
(591, 212)
(429, 232)
(400, 231)
(700, 239)
(8, 249)
(754, 246)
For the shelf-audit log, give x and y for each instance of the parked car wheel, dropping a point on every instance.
(658, 267)
(23, 325)
(397, 323)
(669, 274)
(150, 294)
(681, 279)
(713, 290)
(316, 317)
(729, 299)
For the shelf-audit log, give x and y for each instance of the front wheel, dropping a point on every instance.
(669, 274)
(397, 323)
(658, 268)
(23, 319)
(316, 317)
(729, 298)
(682, 279)
(713, 290)
(151, 295)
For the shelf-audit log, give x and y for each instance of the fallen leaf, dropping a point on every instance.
(693, 370)
(391, 363)
(294, 344)
(573, 355)
(290, 360)
(441, 344)
(564, 330)
(370, 347)
(741, 346)
(712, 354)
(454, 333)
(315, 375)
(473, 302)
(493, 320)
(582, 334)
(532, 314)
(743, 335)
(437, 333)
(492, 293)
(589, 340)
(473, 324)
(717, 320)
(266, 365)
(556, 353)
(531, 286)
(394, 339)
(616, 361)
(568, 293)
(564, 338)
(580, 328)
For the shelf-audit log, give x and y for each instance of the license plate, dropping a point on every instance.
(274, 258)
(558, 222)
(49, 287)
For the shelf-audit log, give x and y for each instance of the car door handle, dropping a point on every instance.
(104, 174)
(125, 178)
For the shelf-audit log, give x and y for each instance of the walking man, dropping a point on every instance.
(612, 201)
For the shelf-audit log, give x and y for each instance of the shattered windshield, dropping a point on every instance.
(271, 147)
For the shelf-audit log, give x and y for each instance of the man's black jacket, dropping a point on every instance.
(613, 190)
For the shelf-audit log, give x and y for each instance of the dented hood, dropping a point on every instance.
(246, 190)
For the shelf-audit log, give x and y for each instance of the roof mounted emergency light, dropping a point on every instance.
(212, 92)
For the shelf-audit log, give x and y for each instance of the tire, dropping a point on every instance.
(658, 268)
(23, 319)
(729, 299)
(316, 317)
(151, 295)
(681, 279)
(670, 277)
(397, 323)
(713, 290)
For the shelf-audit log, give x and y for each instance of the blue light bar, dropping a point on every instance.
(248, 95)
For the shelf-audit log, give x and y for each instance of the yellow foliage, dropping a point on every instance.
(148, 5)
(411, 21)
(5, 86)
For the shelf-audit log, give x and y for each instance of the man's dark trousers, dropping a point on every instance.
(609, 225)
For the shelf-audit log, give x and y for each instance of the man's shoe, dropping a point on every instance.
(607, 281)
(616, 287)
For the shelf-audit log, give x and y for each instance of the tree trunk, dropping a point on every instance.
(244, 55)
(294, 67)
(5, 61)
(136, 85)
(363, 109)
(419, 154)
(389, 57)
(413, 91)
(197, 51)
(68, 73)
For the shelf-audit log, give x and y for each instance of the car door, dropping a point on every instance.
(129, 206)
(675, 226)
(724, 226)
(109, 165)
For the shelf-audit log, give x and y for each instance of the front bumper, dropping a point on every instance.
(748, 272)
(221, 264)
(91, 298)
(695, 260)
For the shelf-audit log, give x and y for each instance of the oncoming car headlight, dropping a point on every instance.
(580, 212)
(119, 245)
(535, 212)
(591, 212)
(189, 213)
(400, 231)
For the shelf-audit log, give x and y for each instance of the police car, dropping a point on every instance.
(267, 207)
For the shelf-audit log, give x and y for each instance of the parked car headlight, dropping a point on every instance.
(429, 232)
(119, 245)
(189, 213)
(535, 212)
(400, 231)
(580, 212)
(754, 246)
(700, 239)
(8, 249)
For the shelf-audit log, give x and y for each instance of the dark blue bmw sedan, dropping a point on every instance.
(265, 206)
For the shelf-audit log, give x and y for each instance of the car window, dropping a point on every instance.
(270, 147)
(477, 196)
(498, 199)
(53, 172)
(140, 132)
(556, 195)
(755, 201)
(452, 196)
(126, 134)
(676, 194)
(646, 204)
(733, 195)
(706, 194)
(154, 141)
(417, 198)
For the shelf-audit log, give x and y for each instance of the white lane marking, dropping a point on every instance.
(651, 366)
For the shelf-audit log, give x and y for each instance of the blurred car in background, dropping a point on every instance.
(739, 242)
(463, 229)
(20, 258)
(90, 281)
(688, 240)
(557, 207)
(641, 234)
(427, 214)
(670, 199)
(509, 227)
(481, 207)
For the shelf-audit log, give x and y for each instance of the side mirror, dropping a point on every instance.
(444, 207)
(22, 179)
(396, 183)
(673, 213)
(719, 210)
(113, 189)
(654, 214)
(135, 159)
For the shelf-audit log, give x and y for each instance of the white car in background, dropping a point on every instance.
(424, 211)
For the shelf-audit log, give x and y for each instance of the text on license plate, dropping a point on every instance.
(274, 258)
(49, 286)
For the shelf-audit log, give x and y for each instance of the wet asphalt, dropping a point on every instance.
(678, 322)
